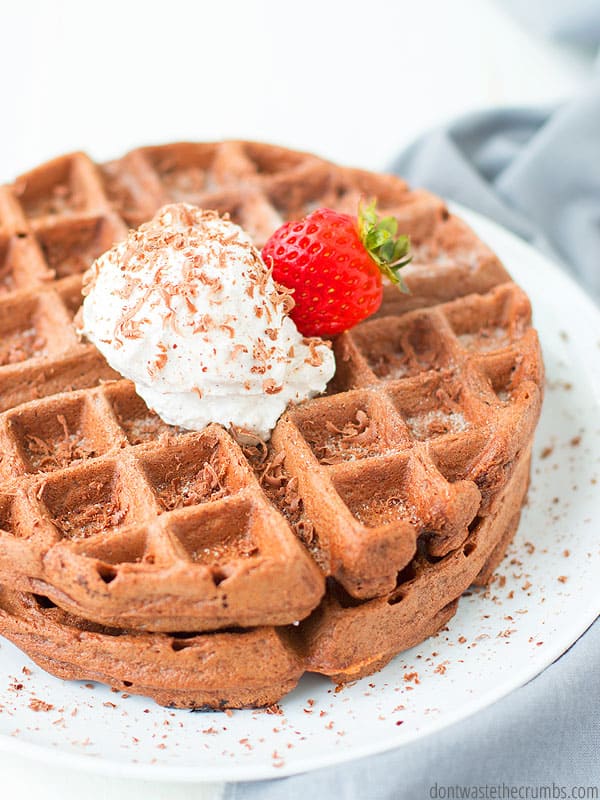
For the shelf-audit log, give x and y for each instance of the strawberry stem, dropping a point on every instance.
(379, 237)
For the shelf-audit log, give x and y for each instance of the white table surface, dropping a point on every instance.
(351, 81)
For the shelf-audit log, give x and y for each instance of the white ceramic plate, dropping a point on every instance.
(545, 597)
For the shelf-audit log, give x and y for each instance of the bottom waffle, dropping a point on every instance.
(344, 638)
(231, 669)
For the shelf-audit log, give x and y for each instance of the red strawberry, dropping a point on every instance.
(334, 263)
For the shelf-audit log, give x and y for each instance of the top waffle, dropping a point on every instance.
(123, 520)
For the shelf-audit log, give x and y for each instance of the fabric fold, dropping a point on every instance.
(535, 171)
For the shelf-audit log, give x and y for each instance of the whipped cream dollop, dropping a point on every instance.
(186, 308)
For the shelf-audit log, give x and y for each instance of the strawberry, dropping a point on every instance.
(334, 264)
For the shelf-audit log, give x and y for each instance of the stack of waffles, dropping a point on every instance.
(209, 569)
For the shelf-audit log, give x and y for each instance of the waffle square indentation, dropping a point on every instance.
(508, 370)
(269, 160)
(292, 200)
(52, 191)
(219, 534)
(124, 547)
(184, 171)
(87, 502)
(54, 435)
(400, 348)
(195, 472)
(70, 246)
(22, 333)
(349, 427)
(379, 495)
(138, 422)
(432, 407)
(125, 194)
(484, 323)
(455, 457)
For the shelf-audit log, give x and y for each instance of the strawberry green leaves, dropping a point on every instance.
(379, 236)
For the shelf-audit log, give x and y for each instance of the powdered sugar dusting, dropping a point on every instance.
(436, 423)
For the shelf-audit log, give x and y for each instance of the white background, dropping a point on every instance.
(352, 81)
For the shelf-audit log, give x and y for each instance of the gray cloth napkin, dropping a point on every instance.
(537, 172)
(573, 22)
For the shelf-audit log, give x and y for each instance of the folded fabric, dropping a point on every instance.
(536, 172)
(574, 22)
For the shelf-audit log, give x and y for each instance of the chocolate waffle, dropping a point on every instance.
(117, 518)
(344, 638)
